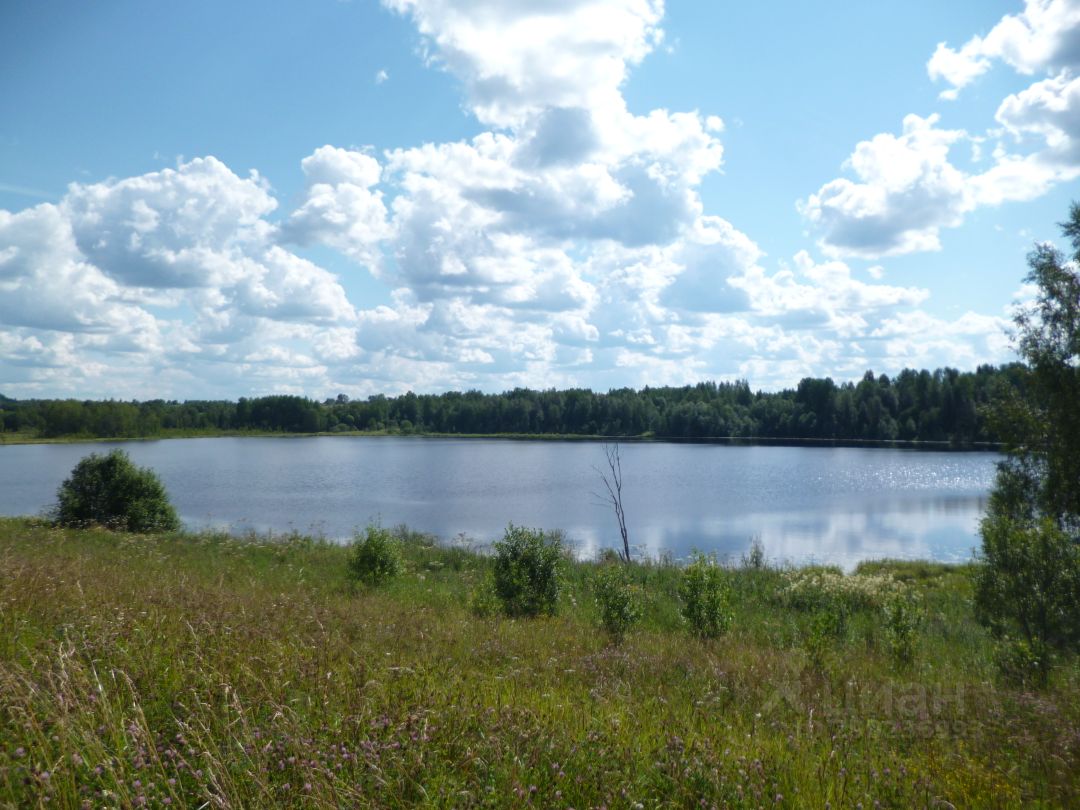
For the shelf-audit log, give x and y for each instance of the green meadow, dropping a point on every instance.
(201, 670)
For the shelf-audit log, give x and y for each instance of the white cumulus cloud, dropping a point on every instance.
(517, 57)
(1045, 35)
(341, 209)
(907, 190)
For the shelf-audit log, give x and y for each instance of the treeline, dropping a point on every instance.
(943, 406)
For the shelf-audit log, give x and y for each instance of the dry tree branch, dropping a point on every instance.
(612, 479)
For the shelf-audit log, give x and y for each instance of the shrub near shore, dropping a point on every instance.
(198, 669)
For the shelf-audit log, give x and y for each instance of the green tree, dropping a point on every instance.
(1030, 583)
(111, 491)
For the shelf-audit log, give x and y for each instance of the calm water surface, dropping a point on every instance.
(826, 504)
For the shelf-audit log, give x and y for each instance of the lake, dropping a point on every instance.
(823, 504)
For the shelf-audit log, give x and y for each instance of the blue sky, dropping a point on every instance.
(226, 199)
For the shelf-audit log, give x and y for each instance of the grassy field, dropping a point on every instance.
(204, 671)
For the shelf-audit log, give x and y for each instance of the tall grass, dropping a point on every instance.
(202, 670)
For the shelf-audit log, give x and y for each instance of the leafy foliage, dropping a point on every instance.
(941, 405)
(617, 599)
(903, 617)
(755, 560)
(826, 626)
(706, 597)
(483, 601)
(376, 558)
(833, 598)
(1030, 582)
(1022, 662)
(816, 588)
(527, 571)
(111, 491)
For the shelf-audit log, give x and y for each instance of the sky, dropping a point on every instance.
(215, 200)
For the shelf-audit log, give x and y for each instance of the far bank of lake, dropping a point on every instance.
(805, 503)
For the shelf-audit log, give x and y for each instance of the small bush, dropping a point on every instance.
(483, 601)
(1023, 663)
(903, 617)
(617, 600)
(609, 556)
(826, 626)
(527, 571)
(111, 491)
(755, 559)
(376, 558)
(706, 597)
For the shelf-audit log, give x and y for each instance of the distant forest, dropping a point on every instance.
(941, 406)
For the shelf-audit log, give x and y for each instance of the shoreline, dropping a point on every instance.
(462, 543)
(763, 441)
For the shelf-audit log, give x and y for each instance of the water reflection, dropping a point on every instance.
(835, 505)
(937, 528)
